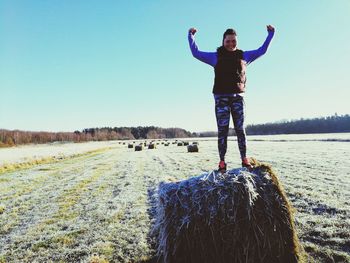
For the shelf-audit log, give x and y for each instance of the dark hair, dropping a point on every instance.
(228, 31)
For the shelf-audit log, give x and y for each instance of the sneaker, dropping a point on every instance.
(222, 167)
(246, 163)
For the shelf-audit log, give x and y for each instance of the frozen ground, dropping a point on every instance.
(24, 153)
(98, 203)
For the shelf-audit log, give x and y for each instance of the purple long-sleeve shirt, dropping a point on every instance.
(211, 57)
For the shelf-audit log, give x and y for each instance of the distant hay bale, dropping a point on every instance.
(180, 144)
(166, 144)
(123, 143)
(195, 143)
(130, 145)
(151, 146)
(192, 148)
(239, 216)
(186, 143)
(138, 148)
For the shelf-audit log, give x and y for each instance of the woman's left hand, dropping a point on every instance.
(270, 28)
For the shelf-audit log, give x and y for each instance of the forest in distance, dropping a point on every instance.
(331, 124)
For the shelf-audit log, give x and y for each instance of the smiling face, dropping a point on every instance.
(230, 42)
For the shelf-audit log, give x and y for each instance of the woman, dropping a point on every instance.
(229, 64)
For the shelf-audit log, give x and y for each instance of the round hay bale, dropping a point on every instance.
(130, 145)
(151, 146)
(166, 144)
(180, 144)
(123, 143)
(192, 148)
(138, 148)
(195, 143)
(238, 216)
(186, 143)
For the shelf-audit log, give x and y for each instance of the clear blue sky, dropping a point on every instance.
(68, 65)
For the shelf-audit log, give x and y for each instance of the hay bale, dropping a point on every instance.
(186, 143)
(151, 146)
(195, 143)
(192, 148)
(138, 148)
(180, 144)
(239, 216)
(130, 145)
(166, 144)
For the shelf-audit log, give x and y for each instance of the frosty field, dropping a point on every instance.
(95, 206)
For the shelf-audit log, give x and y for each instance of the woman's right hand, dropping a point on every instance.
(192, 30)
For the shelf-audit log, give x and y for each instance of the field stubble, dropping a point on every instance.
(99, 205)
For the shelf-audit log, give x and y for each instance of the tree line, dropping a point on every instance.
(330, 124)
(17, 137)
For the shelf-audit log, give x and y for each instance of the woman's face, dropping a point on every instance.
(230, 42)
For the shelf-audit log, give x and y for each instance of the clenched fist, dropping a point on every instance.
(270, 28)
(192, 30)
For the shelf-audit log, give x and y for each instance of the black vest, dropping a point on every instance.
(229, 72)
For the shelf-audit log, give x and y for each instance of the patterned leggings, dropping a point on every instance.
(224, 106)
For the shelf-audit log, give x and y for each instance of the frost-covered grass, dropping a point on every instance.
(8, 167)
(29, 153)
(95, 207)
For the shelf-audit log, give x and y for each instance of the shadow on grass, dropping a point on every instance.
(152, 211)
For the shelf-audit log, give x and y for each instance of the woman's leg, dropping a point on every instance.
(237, 111)
(222, 113)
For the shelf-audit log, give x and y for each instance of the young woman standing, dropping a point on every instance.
(229, 64)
